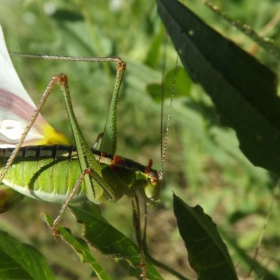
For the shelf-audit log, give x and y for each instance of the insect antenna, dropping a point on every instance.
(164, 136)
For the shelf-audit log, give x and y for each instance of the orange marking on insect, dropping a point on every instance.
(149, 166)
(116, 161)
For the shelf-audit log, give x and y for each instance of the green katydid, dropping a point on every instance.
(31, 148)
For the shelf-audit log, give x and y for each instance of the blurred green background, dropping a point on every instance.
(203, 163)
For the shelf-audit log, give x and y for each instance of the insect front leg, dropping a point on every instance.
(137, 225)
(100, 189)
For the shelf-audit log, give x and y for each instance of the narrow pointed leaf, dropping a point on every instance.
(243, 90)
(207, 253)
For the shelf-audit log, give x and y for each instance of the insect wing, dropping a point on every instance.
(16, 108)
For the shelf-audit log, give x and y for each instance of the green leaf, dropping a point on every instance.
(108, 240)
(269, 45)
(154, 50)
(207, 253)
(21, 261)
(182, 85)
(81, 249)
(66, 15)
(243, 90)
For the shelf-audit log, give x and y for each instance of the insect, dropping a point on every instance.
(32, 152)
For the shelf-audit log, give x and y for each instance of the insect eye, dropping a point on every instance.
(153, 181)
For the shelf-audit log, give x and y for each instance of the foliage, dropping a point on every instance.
(203, 159)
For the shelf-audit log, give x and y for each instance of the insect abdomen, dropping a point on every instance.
(44, 172)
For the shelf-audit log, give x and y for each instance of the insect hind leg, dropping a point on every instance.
(77, 185)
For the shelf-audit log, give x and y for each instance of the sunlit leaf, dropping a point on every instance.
(243, 90)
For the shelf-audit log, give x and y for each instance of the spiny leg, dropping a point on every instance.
(88, 163)
(77, 185)
(111, 117)
(120, 71)
(109, 139)
(28, 127)
(85, 156)
(144, 238)
(62, 81)
(136, 222)
(80, 142)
